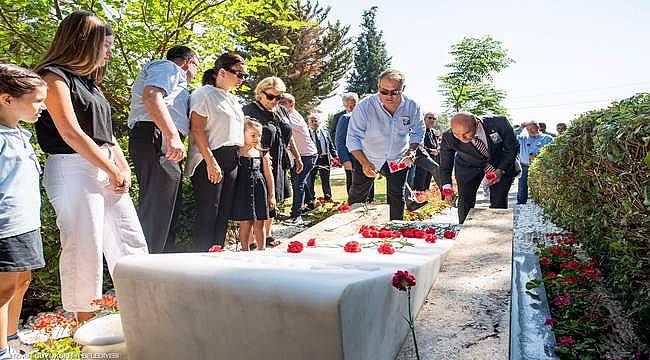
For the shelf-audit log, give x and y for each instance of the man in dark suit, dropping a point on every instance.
(475, 147)
(326, 155)
(432, 147)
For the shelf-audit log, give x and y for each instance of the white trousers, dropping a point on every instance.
(92, 220)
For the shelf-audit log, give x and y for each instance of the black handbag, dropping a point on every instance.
(424, 161)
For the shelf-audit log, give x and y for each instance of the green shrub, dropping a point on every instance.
(594, 180)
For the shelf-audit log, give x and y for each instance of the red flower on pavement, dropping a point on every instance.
(449, 234)
(550, 322)
(311, 242)
(386, 249)
(344, 207)
(544, 261)
(403, 281)
(295, 247)
(447, 192)
(490, 175)
(215, 248)
(352, 247)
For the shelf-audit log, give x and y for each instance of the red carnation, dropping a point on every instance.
(344, 207)
(550, 322)
(386, 249)
(295, 247)
(551, 275)
(402, 280)
(490, 175)
(215, 248)
(311, 242)
(352, 247)
(447, 192)
(431, 238)
(449, 234)
(545, 261)
(566, 340)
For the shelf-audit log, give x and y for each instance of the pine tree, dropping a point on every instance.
(318, 54)
(370, 56)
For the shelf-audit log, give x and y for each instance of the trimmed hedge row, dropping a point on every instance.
(594, 180)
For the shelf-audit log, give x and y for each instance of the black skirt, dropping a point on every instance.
(251, 200)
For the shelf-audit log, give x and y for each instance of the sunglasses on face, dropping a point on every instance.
(270, 97)
(390, 92)
(240, 74)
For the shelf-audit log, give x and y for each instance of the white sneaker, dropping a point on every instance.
(296, 220)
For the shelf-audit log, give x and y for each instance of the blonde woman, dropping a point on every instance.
(87, 178)
(276, 136)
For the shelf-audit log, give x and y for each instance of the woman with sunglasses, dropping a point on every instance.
(276, 136)
(216, 133)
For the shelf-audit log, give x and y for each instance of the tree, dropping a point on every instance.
(144, 30)
(316, 55)
(468, 84)
(370, 56)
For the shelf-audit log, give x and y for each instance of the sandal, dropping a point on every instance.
(271, 242)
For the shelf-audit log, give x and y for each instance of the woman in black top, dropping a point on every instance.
(87, 177)
(276, 136)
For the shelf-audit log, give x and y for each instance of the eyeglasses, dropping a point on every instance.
(390, 92)
(270, 97)
(240, 74)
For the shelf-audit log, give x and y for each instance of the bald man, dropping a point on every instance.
(475, 147)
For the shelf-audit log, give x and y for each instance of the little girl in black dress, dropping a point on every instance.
(254, 189)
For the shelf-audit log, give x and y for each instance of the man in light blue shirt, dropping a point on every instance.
(530, 144)
(384, 128)
(159, 119)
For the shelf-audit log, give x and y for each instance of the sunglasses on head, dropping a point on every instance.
(390, 92)
(240, 74)
(270, 97)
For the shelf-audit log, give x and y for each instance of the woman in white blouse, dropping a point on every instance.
(217, 131)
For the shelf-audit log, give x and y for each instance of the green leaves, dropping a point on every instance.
(532, 284)
(370, 56)
(595, 180)
(468, 84)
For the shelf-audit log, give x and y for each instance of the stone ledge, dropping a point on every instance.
(467, 312)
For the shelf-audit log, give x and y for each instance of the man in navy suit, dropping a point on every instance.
(476, 147)
(326, 154)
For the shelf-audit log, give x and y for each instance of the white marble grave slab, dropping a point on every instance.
(322, 303)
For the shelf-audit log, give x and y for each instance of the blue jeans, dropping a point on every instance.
(299, 182)
(522, 190)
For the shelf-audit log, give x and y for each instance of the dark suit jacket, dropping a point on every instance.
(469, 162)
(337, 116)
(328, 146)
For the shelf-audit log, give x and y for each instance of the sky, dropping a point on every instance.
(570, 56)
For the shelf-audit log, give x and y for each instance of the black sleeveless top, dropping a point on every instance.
(90, 106)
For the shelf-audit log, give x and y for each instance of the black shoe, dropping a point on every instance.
(414, 205)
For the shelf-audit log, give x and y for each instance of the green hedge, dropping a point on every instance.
(594, 180)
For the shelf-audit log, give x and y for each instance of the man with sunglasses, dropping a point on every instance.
(159, 120)
(384, 128)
